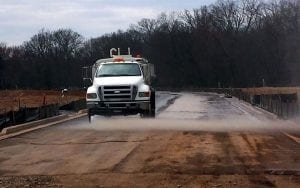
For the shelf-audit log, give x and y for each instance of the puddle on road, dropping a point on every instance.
(194, 112)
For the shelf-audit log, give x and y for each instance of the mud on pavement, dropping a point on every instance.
(172, 158)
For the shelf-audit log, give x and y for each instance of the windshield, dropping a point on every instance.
(119, 69)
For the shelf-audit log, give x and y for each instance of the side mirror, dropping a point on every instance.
(152, 71)
(87, 82)
(87, 74)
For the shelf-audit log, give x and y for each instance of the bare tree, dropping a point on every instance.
(66, 43)
(234, 43)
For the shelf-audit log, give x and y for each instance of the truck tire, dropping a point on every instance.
(150, 113)
(152, 104)
(89, 115)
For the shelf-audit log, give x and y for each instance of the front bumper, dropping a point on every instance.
(117, 108)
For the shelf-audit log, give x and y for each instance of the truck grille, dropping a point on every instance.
(117, 93)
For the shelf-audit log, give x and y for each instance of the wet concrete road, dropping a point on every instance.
(200, 139)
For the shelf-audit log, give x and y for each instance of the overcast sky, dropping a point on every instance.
(21, 19)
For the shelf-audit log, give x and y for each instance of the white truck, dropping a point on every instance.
(121, 85)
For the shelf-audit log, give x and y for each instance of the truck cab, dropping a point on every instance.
(121, 86)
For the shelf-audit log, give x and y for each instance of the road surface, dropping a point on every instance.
(197, 140)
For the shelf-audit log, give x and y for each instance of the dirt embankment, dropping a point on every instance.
(15, 99)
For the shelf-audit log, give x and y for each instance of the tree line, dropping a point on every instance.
(230, 43)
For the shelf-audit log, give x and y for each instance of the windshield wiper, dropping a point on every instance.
(128, 75)
(107, 75)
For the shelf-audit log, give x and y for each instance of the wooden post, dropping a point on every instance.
(5, 115)
(39, 111)
(278, 107)
(287, 109)
(44, 100)
(293, 111)
(24, 114)
(13, 117)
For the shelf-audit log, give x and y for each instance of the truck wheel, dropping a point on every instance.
(152, 113)
(89, 116)
(152, 104)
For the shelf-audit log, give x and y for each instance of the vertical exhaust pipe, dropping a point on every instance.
(111, 52)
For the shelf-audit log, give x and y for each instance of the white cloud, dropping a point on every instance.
(21, 19)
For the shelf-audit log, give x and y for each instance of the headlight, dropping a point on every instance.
(144, 94)
(91, 95)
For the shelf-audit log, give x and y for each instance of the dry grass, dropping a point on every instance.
(14, 99)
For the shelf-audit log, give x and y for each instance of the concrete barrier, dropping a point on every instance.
(24, 115)
(12, 129)
(283, 105)
(27, 127)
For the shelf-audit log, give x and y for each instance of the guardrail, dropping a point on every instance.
(283, 105)
(23, 115)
